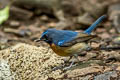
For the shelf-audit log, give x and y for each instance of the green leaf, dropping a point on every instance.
(4, 14)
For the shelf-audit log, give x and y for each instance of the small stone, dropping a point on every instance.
(118, 68)
(14, 23)
(86, 19)
(107, 76)
(44, 18)
(114, 13)
(5, 72)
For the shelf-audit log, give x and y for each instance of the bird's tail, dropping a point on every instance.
(90, 29)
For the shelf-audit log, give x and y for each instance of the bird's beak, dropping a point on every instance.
(38, 40)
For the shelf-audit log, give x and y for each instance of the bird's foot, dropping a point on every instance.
(56, 68)
(70, 66)
(63, 67)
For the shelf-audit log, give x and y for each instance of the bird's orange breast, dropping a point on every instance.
(68, 51)
(61, 51)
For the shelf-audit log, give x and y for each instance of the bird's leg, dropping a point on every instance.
(71, 65)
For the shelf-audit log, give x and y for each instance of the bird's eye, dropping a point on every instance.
(45, 36)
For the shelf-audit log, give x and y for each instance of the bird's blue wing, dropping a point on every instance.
(80, 37)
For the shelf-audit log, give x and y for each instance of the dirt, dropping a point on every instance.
(21, 58)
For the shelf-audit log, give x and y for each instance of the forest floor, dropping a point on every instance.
(21, 58)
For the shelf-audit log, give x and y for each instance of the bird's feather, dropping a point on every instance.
(94, 25)
(81, 37)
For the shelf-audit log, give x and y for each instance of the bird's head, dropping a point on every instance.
(46, 36)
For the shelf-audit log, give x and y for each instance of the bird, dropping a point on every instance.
(67, 42)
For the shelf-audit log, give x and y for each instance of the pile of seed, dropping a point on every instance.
(29, 62)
